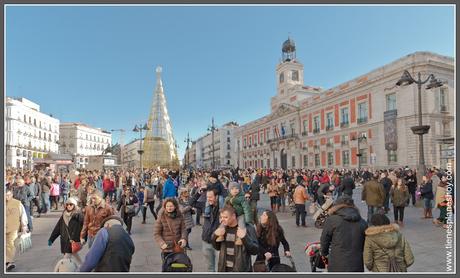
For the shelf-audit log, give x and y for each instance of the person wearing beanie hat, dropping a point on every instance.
(383, 239)
(237, 200)
(68, 228)
(112, 249)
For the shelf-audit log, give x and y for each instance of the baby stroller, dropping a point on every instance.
(321, 213)
(312, 251)
(177, 262)
(261, 266)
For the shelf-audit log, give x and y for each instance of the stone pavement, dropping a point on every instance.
(427, 242)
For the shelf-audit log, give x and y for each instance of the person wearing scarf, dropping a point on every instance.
(68, 228)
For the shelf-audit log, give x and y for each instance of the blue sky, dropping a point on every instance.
(96, 64)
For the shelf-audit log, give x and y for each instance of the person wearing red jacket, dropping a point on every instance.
(108, 186)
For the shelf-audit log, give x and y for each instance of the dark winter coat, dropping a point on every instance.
(243, 252)
(387, 183)
(348, 184)
(210, 224)
(124, 201)
(255, 189)
(411, 182)
(74, 228)
(426, 190)
(23, 194)
(265, 247)
(382, 242)
(343, 233)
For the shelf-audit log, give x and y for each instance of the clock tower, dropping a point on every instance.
(290, 71)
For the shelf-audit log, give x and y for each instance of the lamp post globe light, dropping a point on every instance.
(405, 80)
(139, 129)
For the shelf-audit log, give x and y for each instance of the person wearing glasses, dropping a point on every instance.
(68, 228)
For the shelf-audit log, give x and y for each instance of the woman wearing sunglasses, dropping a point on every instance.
(68, 228)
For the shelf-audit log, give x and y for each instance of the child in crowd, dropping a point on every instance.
(237, 200)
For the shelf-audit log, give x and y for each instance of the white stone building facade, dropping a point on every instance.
(29, 133)
(224, 148)
(314, 128)
(82, 141)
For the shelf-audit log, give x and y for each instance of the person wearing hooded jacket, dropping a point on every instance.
(382, 241)
(343, 234)
(68, 228)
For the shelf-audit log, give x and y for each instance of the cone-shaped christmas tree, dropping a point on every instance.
(159, 146)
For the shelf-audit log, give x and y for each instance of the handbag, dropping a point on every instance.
(129, 209)
(176, 247)
(74, 245)
(23, 242)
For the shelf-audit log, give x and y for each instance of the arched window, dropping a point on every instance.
(18, 152)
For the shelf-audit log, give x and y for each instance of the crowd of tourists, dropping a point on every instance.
(237, 234)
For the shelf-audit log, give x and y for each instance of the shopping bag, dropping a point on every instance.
(23, 242)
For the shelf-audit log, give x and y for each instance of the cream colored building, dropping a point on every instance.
(310, 127)
(29, 133)
(82, 141)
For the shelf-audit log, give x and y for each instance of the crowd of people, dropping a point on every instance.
(98, 205)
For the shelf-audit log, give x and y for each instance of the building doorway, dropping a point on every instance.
(283, 159)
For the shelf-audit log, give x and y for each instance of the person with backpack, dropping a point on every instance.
(385, 248)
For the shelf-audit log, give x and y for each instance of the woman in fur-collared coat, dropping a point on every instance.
(382, 241)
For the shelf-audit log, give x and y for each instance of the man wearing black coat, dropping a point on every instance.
(342, 238)
(210, 224)
(387, 183)
(411, 182)
(348, 184)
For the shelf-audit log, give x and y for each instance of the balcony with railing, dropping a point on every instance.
(362, 120)
(344, 124)
(329, 145)
(329, 127)
(316, 130)
(282, 138)
(304, 133)
(344, 143)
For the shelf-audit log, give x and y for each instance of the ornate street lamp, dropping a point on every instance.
(420, 129)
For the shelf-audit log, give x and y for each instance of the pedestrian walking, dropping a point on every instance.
(127, 208)
(342, 238)
(399, 196)
(68, 228)
(149, 201)
(374, 195)
(55, 193)
(426, 190)
(113, 248)
(15, 222)
(272, 190)
(270, 235)
(385, 248)
(411, 182)
(169, 230)
(186, 210)
(234, 258)
(95, 213)
(300, 197)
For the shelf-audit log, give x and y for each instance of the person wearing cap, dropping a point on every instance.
(68, 228)
(374, 195)
(214, 184)
(342, 238)
(382, 241)
(112, 250)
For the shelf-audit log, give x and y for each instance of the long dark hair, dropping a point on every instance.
(272, 230)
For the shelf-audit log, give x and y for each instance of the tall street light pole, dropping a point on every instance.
(187, 140)
(139, 129)
(212, 128)
(420, 129)
(361, 137)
